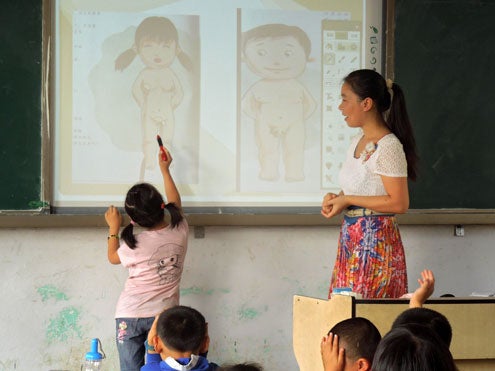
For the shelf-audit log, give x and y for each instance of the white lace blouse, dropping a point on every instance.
(361, 176)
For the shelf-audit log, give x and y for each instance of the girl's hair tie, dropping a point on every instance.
(133, 222)
(162, 206)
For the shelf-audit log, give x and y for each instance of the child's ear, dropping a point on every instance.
(158, 344)
(205, 345)
(363, 364)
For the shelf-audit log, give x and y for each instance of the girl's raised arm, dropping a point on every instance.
(171, 191)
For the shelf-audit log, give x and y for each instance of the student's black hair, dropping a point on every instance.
(359, 337)
(248, 366)
(412, 347)
(427, 317)
(181, 328)
(276, 30)
(370, 84)
(145, 206)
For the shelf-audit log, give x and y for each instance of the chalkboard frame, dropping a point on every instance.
(27, 191)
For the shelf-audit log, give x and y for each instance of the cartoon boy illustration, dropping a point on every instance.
(278, 103)
(157, 89)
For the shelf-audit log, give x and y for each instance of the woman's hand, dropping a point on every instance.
(333, 205)
(326, 208)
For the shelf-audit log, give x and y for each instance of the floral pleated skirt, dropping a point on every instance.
(370, 257)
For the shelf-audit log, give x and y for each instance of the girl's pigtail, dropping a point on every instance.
(128, 236)
(125, 59)
(175, 214)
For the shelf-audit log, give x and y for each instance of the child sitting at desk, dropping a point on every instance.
(350, 345)
(181, 335)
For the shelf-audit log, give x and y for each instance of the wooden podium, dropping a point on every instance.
(472, 321)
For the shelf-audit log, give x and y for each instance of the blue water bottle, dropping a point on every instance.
(93, 358)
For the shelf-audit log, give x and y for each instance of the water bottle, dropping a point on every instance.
(93, 358)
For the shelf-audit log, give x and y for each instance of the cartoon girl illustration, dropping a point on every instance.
(157, 89)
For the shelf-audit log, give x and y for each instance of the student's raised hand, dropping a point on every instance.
(113, 218)
(425, 289)
(332, 357)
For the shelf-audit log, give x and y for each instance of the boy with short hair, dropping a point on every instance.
(350, 345)
(180, 336)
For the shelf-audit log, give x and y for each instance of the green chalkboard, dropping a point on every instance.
(20, 104)
(445, 62)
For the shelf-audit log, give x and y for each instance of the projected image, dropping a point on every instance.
(279, 98)
(278, 103)
(157, 89)
(244, 94)
(134, 77)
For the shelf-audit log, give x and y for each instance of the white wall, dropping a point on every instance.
(59, 291)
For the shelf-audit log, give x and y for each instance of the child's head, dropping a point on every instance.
(359, 337)
(157, 42)
(145, 206)
(276, 51)
(181, 329)
(412, 347)
(427, 317)
(242, 367)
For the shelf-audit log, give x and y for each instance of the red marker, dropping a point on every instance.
(162, 150)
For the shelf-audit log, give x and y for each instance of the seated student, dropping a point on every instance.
(242, 367)
(412, 347)
(181, 333)
(425, 316)
(350, 345)
(429, 318)
(357, 353)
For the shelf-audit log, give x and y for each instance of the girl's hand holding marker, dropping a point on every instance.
(162, 149)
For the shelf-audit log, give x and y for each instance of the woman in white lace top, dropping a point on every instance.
(373, 178)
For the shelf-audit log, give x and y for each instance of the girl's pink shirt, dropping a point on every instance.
(155, 270)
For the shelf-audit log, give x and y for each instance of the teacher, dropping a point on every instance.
(373, 179)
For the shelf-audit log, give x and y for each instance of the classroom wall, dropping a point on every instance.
(58, 290)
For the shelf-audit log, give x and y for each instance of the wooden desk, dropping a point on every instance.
(472, 321)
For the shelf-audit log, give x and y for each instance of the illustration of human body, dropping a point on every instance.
(278, 103)
(157, 89)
